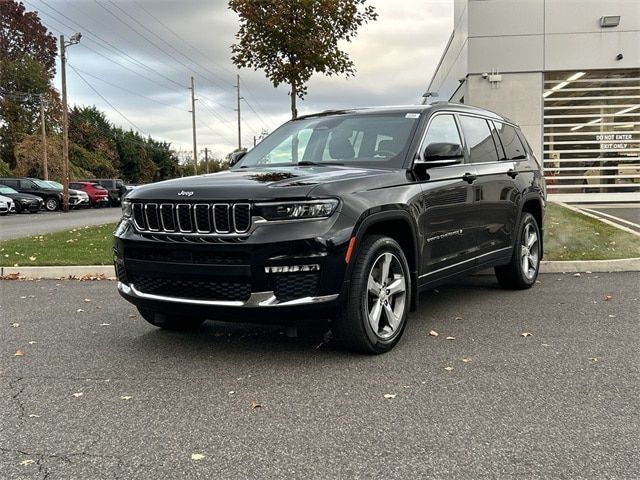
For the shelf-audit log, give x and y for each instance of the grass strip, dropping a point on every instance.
(80, 246)
(570, 235)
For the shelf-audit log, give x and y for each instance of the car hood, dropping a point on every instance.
(255, 183)
(22, 196)
(6, 199)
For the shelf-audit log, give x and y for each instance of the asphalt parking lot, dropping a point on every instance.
(99, 393)
(24, 225)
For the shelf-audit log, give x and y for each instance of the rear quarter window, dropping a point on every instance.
(513, 147)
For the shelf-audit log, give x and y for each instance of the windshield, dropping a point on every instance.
(373, 140)
(56, 185)
(4, 189)
(45, 184)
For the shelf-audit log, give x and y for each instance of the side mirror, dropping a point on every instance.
(235, 157)
(443, 154)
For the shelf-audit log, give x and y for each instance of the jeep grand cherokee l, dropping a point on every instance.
(344, 215)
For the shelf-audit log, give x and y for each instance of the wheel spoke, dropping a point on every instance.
(374, 316)
(525, 264)
(533, 261)
(525, 234)
(392, 318)
(386, 265)
(372, 286)
(533, 238)
(397, 286)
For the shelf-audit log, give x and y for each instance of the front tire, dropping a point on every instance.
(52, 204)
(377, 304)
(522, 271)
(170, 322)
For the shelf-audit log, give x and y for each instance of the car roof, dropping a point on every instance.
(433, 107)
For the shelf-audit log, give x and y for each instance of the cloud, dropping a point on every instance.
(140, 54)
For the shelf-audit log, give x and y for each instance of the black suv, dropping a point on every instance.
(344, 215)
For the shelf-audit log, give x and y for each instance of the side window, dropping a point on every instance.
(479, 139)
(442, 129)
(27, 185)
(513, 148)
(10, 183)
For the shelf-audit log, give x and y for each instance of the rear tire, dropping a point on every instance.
(375, 314)
(170, 322)
(522, 271)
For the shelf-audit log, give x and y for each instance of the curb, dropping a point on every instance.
(107, 272)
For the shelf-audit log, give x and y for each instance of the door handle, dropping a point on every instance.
(512, 173)
(469, 177)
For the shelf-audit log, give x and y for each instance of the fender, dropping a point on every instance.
(368, 220)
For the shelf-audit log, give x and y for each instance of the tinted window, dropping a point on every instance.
(442, 129)
(10, 183)
(479, 140)
(513, 148)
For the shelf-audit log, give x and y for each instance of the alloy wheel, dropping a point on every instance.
(529, 251)
(386, 295)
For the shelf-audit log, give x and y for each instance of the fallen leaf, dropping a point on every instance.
(466, 360)
(458, 318)
(232, 392)
(19, 353)
(433, 333)
(576, 274)
(612, 316)
(448, 369)
(14, 324)
(126, 397)
(255, 405)
(390, 395)
(105, 324)
(450, 338)
(33, 259)
(526, 334)
(197, 456)
(27, 462)
(87, 300)
(32, 342)
(594, 359)
(79, 394)
(79, 310)
(132, 315)
(33, 415)
(23, 296)
(11, 276)
(608, 297)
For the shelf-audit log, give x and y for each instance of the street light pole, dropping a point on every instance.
(75, 38)
(45, 166)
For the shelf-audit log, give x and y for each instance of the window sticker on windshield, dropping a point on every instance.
(412, 115)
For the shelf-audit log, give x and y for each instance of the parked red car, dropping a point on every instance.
(98, 195)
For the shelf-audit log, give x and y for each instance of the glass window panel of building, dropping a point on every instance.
(592, 131)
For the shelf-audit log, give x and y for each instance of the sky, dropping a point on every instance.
(136, 57)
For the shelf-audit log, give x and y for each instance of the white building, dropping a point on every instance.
(567, 71)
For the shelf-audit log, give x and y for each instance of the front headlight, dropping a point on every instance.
(297, 210)
(126, 208)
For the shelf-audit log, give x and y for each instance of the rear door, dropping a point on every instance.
(494, 191)
(445, 224)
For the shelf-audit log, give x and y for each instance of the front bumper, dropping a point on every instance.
(275, 268)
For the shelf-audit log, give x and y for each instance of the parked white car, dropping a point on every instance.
(6, 205)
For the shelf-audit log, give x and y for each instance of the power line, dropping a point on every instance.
(127, 90)
(105, 100)
(89, 32)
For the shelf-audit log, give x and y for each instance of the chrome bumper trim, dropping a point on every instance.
(257, 299)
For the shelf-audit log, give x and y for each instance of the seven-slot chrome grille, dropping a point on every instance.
(211, 218)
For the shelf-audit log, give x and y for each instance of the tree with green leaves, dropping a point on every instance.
(27, 66)
(293, 39)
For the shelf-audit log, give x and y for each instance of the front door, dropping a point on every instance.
(446, 226)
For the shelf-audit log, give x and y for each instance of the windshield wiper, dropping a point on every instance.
(307, 163)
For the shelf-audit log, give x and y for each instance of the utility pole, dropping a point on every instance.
(75, 38)
(206, 158)
(238, 110)
(193, 123)
(45, 166)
